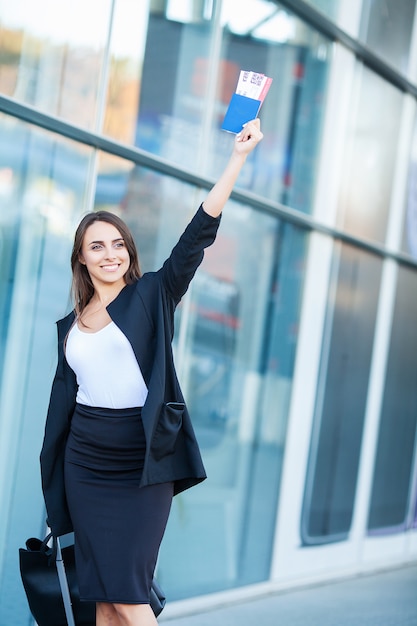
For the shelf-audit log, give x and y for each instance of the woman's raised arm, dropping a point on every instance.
(245, 142)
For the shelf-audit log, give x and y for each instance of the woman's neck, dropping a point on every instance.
(104, 295)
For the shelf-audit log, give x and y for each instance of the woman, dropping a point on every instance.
(118, 439)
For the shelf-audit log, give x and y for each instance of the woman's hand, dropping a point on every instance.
(248, 137)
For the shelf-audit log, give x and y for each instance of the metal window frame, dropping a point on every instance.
(329, 29)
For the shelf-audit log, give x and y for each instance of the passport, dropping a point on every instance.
(245, 103)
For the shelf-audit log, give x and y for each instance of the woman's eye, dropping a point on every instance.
(120, 244)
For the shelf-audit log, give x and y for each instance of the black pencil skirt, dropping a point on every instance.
(118, 526)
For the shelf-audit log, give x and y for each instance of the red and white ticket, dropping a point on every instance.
(253, 85)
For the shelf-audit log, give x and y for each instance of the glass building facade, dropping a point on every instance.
(296, 344)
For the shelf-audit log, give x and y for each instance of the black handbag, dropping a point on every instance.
(43, 587)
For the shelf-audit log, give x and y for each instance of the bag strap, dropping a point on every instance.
(44, 545)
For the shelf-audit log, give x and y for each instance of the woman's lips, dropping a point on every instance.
(110, 268)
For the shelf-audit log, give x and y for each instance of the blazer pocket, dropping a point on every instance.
(167, 429)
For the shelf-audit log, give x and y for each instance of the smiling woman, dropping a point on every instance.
(104, 259)
(119, 443)
(278, 327)
(106, 264)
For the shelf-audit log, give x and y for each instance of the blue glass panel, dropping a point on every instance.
(392, 500)
(341, 397)
(46, 187)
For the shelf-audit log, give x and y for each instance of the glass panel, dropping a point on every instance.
(371, 148)
(51, 55)
(341, 396)
(180, 114)
(386, 27)
(43, 191)
(328, 7)
(415, 510)
(126, 51)
(391, 500)
(171, 106)
(235, 340)
(409, 243)
(277, 369)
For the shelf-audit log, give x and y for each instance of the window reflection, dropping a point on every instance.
(341, 397)
(42, 186)
(188, 11)
(386, 27)
(253, 14)
(409, 243)
(391, 504)
(126, 51)
(42, 194)
(167, 88)
(371, 150)
(180, 114)
(328, 7)
(51, 57)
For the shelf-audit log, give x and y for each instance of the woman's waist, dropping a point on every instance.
(103, 433)
(86, 410)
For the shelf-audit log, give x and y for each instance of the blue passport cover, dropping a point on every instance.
(240, 111)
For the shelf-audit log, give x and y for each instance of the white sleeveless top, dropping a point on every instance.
(108, 374)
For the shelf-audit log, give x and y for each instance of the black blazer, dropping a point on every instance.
(144, 311)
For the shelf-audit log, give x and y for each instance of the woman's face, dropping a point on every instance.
(105, 255)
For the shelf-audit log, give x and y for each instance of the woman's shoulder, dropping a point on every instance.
(67, 320)
(131, 291)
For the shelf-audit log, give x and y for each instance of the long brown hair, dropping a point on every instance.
(82, 288)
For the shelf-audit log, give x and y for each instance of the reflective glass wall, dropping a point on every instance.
(132, 97)
(393, 490)
(341, 396)
(45, 184)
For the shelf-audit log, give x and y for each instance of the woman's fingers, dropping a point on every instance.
(250, 132)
